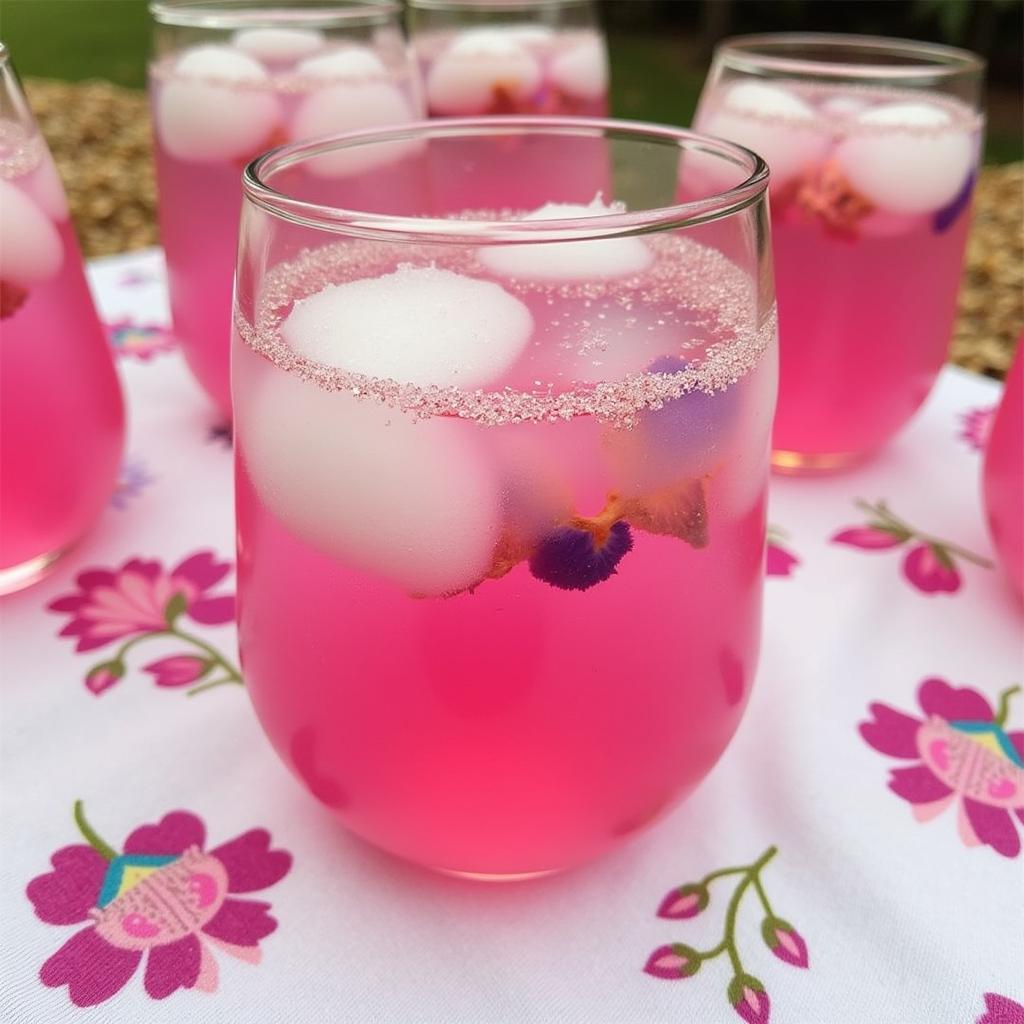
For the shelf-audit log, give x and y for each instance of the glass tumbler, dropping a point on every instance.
(228, 80)
(61, 410)
(501, 488)
(510, 57)
(873, 146)
(1003, 476)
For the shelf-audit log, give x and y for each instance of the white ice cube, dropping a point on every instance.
(569, 261)
(916, 167)
(278, 45)
(464, 79)
(200, 116)
(419, 325)
(414, 502)
(32, 250)
(348, 107)
(354, 62)
(582, 70)
(530, 35)
(46, 188)
(843, 106)
(767, 101)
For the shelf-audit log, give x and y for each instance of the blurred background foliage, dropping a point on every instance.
(659, 48)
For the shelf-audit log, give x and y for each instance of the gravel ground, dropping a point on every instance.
(100, 137)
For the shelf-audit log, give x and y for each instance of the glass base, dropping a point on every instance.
(812, 463)
(17, 577)
(475, 876)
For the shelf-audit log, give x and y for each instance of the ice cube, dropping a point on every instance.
(842, 106)
(465, 78)
(200, 116)
(569, 261)
(765, 100)
(348, 107)
(911, 171)
(532, 36)
(414, 502)
(582, 70)
(46, 188)
(418, 325)
(32, 250)
(354, 62)
(278, 45)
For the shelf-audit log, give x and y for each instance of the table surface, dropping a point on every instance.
(866, 853)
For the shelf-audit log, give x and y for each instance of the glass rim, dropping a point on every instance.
(475, 232)
(752, 53)
(237, 14)
(493, 5)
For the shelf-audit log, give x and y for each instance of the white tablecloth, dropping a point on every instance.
(885, 841)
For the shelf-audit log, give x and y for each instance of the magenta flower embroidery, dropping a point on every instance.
(142, 600)
(746, 994)
(143, 341)
(929, 563)
(959, 753)
(164, 898)
(975, 425)
(1000, 1010)
(780, 561)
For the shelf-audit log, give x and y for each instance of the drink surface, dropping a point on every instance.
(61, 411)
(514, 69)
(870, 200)
(217, 107)
(500, 538)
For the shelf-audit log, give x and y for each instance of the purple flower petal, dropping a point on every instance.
(174, 833)
(917, 784)
(926, 570)
(212, 611)
(202, 569)
(891, 732)
(1017, 739)
(779, 562)
(241, 922)
(993, 826)
(149, 569)
(173, 966)
(867, 538)
(1000, 1010)
(71, 603)
(937, 697)
(91, 967)
(250, 863)
(69, 892)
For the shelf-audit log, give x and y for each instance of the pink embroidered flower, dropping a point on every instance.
(1000, 1010)
(141, 597)
(929, 564)
(930, 568)
(101, 677)
(178, 669)
(749, 999)
(785, 941)
(959, 753)
(686, 901)
(672, 962)
(140, 340)
(975, 425)
(164, 899)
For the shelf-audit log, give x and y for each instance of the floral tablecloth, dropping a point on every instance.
(855, 857)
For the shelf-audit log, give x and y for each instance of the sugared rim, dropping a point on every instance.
(494, 5)
(476, 232)
(236, 14)
(794, 53)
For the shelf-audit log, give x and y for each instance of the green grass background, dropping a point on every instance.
(651, 77)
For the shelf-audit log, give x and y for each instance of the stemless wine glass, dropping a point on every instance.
(873, 146)
(501, 487)
(61, 411)
(1004, 474)
(510, 56)
(229, 79)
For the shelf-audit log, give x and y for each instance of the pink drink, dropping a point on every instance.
(1004, 476)
(870, 200)
(61, 411)
(215, 108)
(497, 627)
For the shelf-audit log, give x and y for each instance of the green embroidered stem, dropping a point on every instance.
(203, 687)
(750, 873)
(721, 874)
(1003, 708)
(762, 895)
(90, 835)
(882, 511)
(218, 659)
